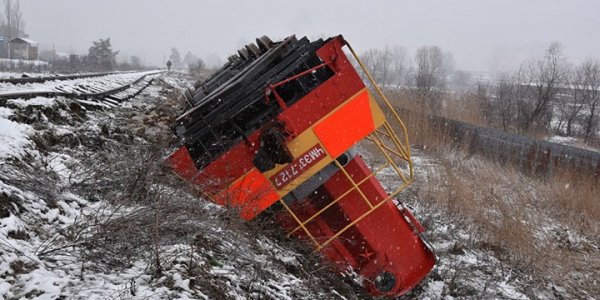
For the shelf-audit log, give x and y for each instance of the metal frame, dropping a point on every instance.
(394, 147)
(390, 148)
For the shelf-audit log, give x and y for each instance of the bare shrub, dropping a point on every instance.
(542, 227)
(432, 66)
(465, 107)
(575, 199)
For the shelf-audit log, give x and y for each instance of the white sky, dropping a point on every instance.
(481, 34)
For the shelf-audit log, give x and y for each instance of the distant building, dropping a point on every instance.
(23, 48)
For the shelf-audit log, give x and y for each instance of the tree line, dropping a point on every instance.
(546, 95)
(192, 62)
(427, 75)
(102, 57)
(12, 24)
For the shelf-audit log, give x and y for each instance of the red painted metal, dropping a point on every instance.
(347, 125)
(297, 118)
(271, 88)
(385, 247)
(298, 166)
(384, 241)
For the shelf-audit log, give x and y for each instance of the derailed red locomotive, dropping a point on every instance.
(281, 127)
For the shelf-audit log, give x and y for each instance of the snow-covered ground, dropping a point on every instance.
(571, 141)
(13, 135)
(20, 74)
(19, 65)
(36, 63)
(75, 85)
(88, 212)
(498, 232)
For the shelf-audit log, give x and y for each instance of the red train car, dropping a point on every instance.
(282, 125)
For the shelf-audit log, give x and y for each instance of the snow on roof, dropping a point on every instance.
(24, 40)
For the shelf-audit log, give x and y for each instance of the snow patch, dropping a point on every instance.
(37, 101)
(13, 136)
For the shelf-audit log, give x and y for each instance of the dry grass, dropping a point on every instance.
(461, 107)
(545, 227)
(542, 227)
(466, 108)
(576, 201)
(423, 131)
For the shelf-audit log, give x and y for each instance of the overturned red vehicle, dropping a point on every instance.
(281, 128)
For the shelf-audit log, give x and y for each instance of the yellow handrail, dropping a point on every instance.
(403, 152)
(336, 200)
(387, 103)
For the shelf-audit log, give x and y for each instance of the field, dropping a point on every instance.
(87, 211)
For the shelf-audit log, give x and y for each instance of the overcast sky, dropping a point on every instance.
(482, 35)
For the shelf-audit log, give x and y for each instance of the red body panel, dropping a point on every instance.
(382, 241)
(297, 118)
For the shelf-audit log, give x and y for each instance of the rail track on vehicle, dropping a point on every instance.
(97, 89)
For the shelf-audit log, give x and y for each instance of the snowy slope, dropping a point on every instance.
(83, 85)
(88, 212)
(13, 135)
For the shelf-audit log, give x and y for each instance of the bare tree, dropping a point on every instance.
(499, 100)
(520, 93)
(510, 95)
(387, 66)
(575, 98)
(175, 58)
(460, 81)
(190, 58)
(101, 56)
(196, 67)
(504, 93)
(431, 69)
(399, 65)
(18, 22)
(136, 62)
(547, 76)
(12, 24)
(587, 83)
